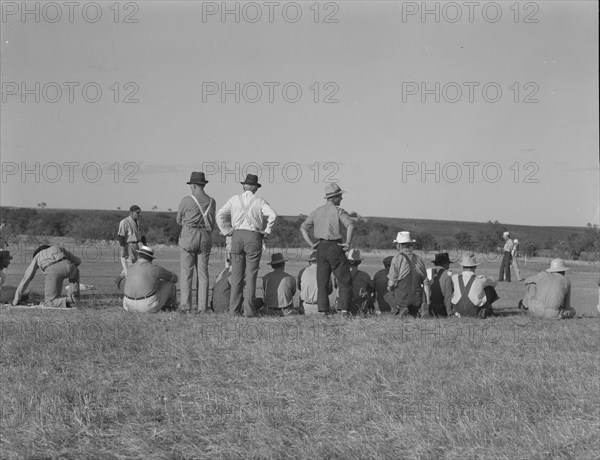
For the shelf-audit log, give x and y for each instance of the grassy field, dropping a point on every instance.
(102, 383)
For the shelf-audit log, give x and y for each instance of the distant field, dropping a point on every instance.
(99, 382)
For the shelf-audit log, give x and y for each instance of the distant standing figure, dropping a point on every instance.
(407, 280)
(241, 217)
(549, 293)
(515, 264)
(149, 287)
(326, 222)
(279, 289)
(196, 215)
(381, 281)
(506, 257)
(441, 286)
(473, 294)
(130, 236)
(57, 264)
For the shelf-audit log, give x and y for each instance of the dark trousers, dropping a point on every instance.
(246, 250)
(332, 258)
(505, 267)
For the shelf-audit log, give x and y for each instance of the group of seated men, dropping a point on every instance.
(403, 287)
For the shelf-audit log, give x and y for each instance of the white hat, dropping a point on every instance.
(515, 240)
(147, 251)
(404, 237)
(557, 265)
(506, 234)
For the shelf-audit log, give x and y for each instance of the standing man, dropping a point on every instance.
(441, 286)
(506, 257)
(130, 236)
(57, 264)
(515, 264)
(473, 294)
(196, 215)
(242, 218)
(549, 293)
(279, 289)
(407, 280)
(381, 281)
(148, 287)
(326, 221)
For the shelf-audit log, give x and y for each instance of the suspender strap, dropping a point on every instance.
(464, 291)
(411, 264)
(204, 213)
(245, 210)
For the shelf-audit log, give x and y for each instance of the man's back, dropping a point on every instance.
(551, 289)
(279, 289)
(381, 281)
(143, 279)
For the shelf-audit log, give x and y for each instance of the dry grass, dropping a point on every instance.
(102, 383)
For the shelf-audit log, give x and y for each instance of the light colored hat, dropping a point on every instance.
(506, 234)
(557, 265)
(333, 190)
(147, 251)
(515, 240)
(404, 237)
(312, 257)
(468, 260)
(354, 255)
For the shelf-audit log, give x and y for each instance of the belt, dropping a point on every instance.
(140, 298)
(53, 262)
(331, 241)
(310, 303)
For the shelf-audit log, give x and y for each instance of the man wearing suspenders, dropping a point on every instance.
(407, 280)
(473, 294)
(196, 215)
(242, 219)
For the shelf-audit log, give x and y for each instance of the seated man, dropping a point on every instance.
(149, 287)
(222, 290)
(7, 293)
(381, 281)
(549, 293)
(407, 280)
(57, 264)
(441, 286)
(308, 287)
(279, 289)
(363, 288)
(473, 294)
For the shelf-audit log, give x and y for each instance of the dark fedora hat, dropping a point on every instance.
(251, 179)
(5, 254)
(277, 258)
(197, 177)
(441, 259)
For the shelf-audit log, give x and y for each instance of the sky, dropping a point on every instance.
(428, 110)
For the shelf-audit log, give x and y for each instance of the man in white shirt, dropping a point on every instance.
(473, 294)
(242, 218)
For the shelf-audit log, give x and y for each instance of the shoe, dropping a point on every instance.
(184, 310)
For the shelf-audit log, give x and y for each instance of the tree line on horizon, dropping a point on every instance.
(369, 233)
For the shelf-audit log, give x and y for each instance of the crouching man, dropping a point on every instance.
(549, 293)
(7, 293)
(57, 264)
(279, 289)
(149, 287)
(473, 294)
